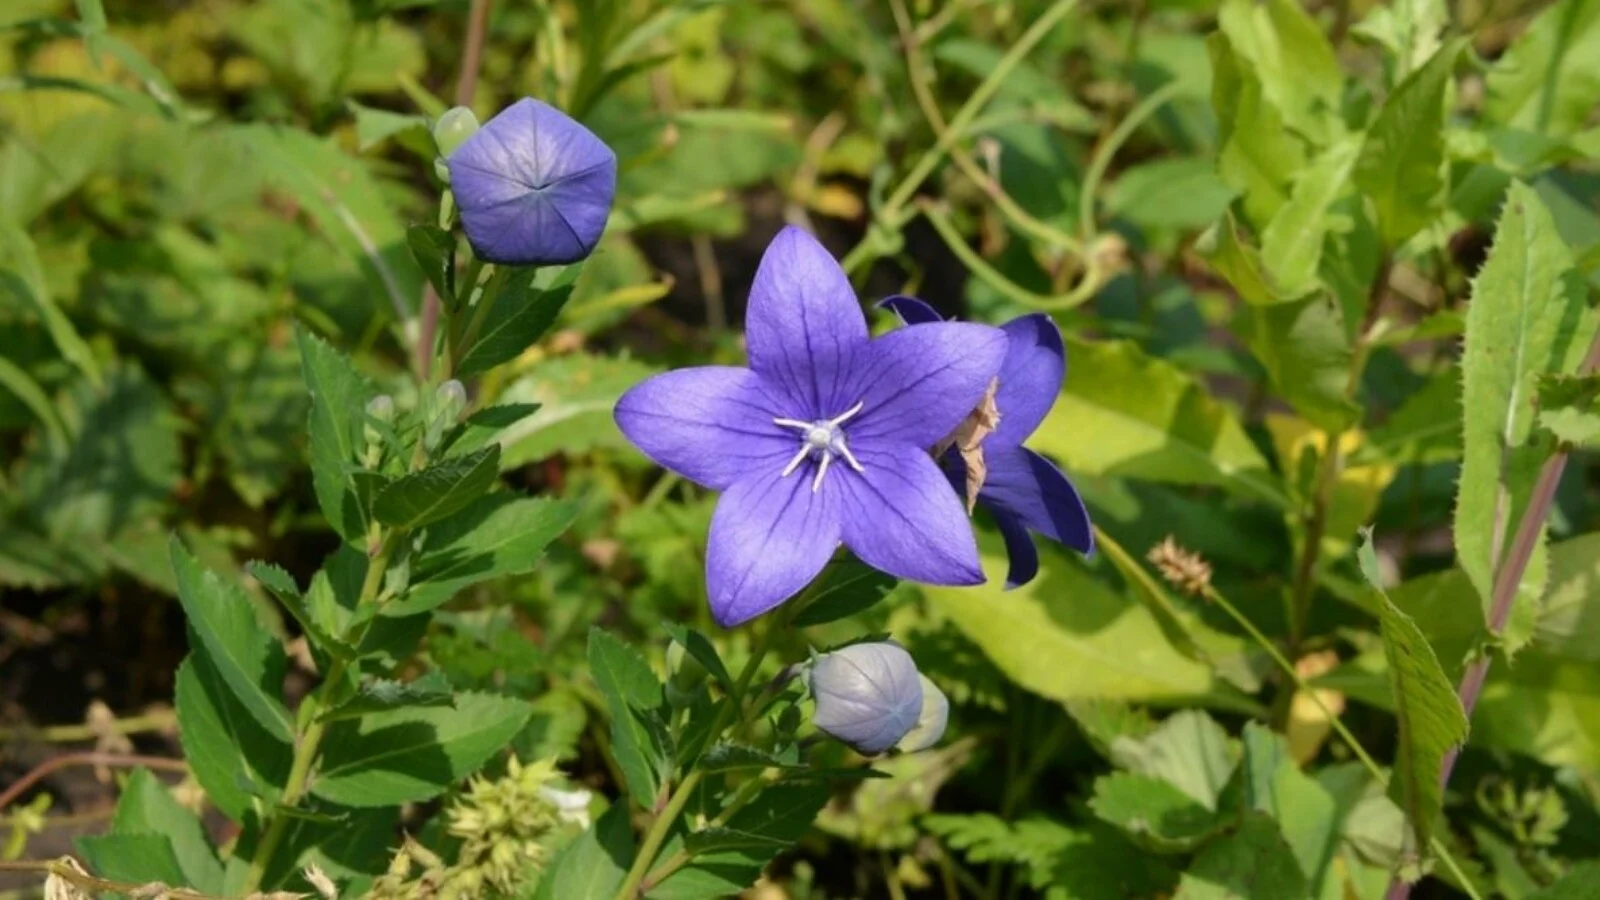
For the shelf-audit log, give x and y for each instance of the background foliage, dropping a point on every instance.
(1321, 266)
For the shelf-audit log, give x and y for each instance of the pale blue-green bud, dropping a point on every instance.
(452, 397)
(930, 722)
(452, 129)
(868, 695)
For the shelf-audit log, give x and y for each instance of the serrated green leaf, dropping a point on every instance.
(280, 584)
(497, 535)
(845, 589)
(776, 818)
(1304, 348)
(634, 697)
(1569, 410)
(339, 395)
(1153, 422)
(382, 694)
(1581, 882)
(1529, 317)
(222, 742)
(438, 491)
(22, 275)
(520, 316)
(249, 659)
(1426, 428)
(435, 252)
(1547, 80)
(1408, 29)
(1570, 615)
(1235, 260)
(1258, 157)
(1401, 168)
(406, 755)
(1290, 54)
(132, 858)
(484, 426)
(1428, 714)
(594, 864)
(1252, 863)
(147, 807)
(1307, 814)
(700, 647)
(374, 126)
(727, 757)
(1154, 813)
(1291, 243)
(1188, 750)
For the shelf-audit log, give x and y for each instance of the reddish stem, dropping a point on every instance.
(67, 760)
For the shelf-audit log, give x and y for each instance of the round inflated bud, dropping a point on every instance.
(452, 129)
(930, 721)
(867, 695)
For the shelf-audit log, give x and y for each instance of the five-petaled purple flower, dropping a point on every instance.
(534, 187)
(1022, 490)
(823, 439)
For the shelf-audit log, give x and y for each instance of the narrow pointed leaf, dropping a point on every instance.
(415, 500)
(339, 396)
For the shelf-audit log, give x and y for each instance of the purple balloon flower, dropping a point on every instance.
(822, 440)
(534, 187)
(868, 695)
(1022, 490)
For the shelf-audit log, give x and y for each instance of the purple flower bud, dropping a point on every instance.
(931, 722)
(534, 187)
(868, 695)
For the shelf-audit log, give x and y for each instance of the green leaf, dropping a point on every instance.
(1401, 168)
(1570, 615)
(777, 817)
(1290, 54)
(700, 647)
(1547, 80)
(1307, 814)
(1567, 408)
(845, 589)
(1258, 156)
(484, 426)
(132, 858)
(1581, 882)
(339, 396)
(1291, 244)
(1152, 422)
(727, 757)
(1426, 428)
(1528, 318)
(438, 491)
(1304, 348)
(1189, 751)
(634, 698)
(22, 275)
(147, 807)
(280, 584)
(594, 864)
(1155, 814)
(407, 755)
(231, 756)
(374, 126)
(1427, 712)
(497, 535)
(1408, 29)
(1170, 193)
(1068, 636)
(435, 252)
(519, 317)
(1252, 863)
(1235, 260)
(250, 660)
(382, 694)
(576, 394)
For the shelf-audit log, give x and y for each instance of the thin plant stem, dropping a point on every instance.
(68, 760)
(1503, 595)
(1108, 148)
(64, 869)
(65, 734)
(893, 209)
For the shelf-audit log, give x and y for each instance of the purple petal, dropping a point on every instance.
(910, 310)
(711, 424)
(803, 324)
(1020, 551)
(769, 537)
(1030, 377)
(534, 187)
(900, 516)
(1022, 484)
(916, 384)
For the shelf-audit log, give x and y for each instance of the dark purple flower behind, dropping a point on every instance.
(534, 187)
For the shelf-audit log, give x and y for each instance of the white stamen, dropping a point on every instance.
(822, 439)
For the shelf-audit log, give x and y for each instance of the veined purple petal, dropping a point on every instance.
(534, 187)
(1023, 556)
(901, 517)
(916, 384)
(769, 537)
(711, 424)
(803, 323)
(1030, 378)
(911, 310)
(1028, 487)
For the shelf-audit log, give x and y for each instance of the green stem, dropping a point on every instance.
(1108, 149)
(312, 730)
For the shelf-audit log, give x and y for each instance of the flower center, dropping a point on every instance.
(821, 440)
